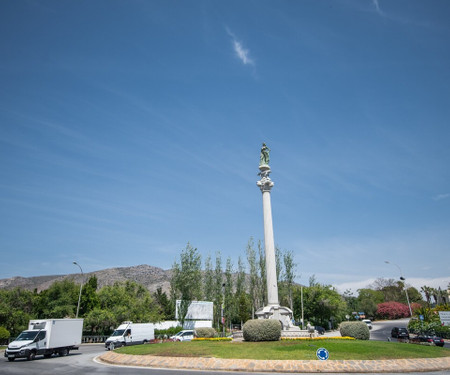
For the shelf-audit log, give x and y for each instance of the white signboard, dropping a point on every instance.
(445, 317)
(198, 310)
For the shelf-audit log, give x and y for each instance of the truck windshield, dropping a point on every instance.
(118, 332)
(27, 335)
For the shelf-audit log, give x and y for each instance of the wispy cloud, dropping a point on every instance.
(440, 197)
(377, 7)
(242, 53)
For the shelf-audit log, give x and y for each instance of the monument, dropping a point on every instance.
(273, 310)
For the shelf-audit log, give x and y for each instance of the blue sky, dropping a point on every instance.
(129, 128)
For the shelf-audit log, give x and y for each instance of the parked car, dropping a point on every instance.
(368, 322)
(185, 335)
(400, 332)
(320, 330)
(430, 339)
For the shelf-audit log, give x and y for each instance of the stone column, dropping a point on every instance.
(266, 184)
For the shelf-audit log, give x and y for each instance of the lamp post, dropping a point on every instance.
(81, 286)
(402, 279)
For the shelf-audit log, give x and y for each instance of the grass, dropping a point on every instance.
(285, 350)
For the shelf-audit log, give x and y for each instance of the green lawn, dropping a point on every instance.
(305, 349)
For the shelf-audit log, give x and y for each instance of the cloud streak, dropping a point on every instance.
(242, 53)
(440, 197)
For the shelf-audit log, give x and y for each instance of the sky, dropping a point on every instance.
(131, 128)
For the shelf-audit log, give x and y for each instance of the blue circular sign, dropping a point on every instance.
(322, 354)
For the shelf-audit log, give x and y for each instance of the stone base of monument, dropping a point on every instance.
(299, 333)
(284, 315)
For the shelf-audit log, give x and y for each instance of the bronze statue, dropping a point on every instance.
(264, 156)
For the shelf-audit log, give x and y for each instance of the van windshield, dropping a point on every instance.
(118, 332)
(27, 335)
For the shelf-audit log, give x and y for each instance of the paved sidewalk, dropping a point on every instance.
(250, 365)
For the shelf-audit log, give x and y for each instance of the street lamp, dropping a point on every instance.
(402, 279)
(81, 286)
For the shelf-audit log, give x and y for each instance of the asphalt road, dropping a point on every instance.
(381, 331)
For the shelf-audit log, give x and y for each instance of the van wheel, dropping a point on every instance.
(31, 356)
(63, 352)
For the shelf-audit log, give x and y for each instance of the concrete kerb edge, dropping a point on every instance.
(290, 366)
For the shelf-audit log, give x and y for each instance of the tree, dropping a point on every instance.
(208, 280)
(368, 300)
(262, 275)
(218, 290)
(392, 310)
(253, 276)
(60, 300)
(289, 275)
(89, 299)
(230, 306)
(16, 309)
(323, 305)
(128, 301)
(165, 307)
(187, 279)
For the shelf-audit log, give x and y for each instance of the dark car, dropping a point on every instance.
(400, 333)
(430, 339)
(320, 330)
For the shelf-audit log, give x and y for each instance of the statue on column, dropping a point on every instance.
(264, 156)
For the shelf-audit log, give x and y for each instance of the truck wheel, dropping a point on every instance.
(48, 355)
(31, 356)
(11, 359)
(63, 352)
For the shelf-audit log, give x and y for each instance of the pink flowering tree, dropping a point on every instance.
(392, 310)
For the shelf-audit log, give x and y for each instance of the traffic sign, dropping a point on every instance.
(322, 354)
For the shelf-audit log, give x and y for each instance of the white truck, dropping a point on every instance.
(129, 333)
(46, 337)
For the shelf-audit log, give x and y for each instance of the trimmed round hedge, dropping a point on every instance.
(262, 330)
(205, 332)
(358, 330)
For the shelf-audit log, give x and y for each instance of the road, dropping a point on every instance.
(381, 331)
(82, 362)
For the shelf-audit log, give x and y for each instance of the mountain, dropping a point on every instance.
(149, 276)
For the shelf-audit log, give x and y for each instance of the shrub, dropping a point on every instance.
(262, 330)
(205, 332)
(4, 335)
(358, 330)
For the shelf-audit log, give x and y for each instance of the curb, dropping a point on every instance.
(288, 366)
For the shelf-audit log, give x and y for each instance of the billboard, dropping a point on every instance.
(445, 317)
(198, 310)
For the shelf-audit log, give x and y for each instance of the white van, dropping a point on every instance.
(129, 333)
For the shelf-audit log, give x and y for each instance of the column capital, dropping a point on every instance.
(265, 183)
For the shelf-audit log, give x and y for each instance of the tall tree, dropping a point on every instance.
(218, 290)
(187, 279)
(253, 275)
(166, 308)
(89, 299)
(208, 280)
(262, 275)
(289, 275)
(240, 278)
(230, 305)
